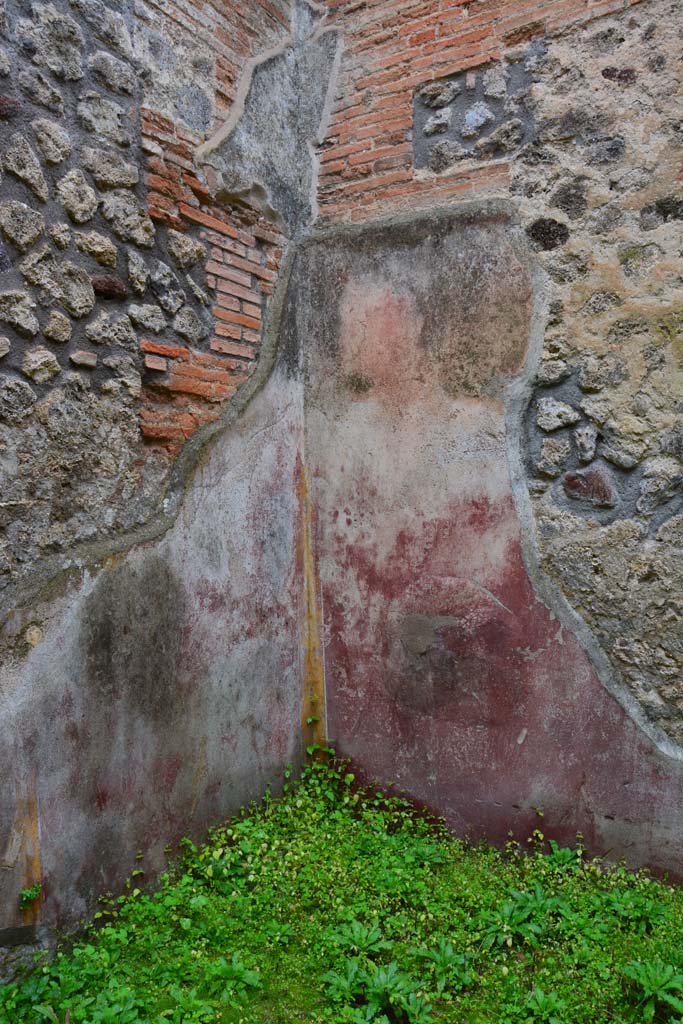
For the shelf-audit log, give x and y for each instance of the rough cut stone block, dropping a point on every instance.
(81, 357)
(58, 328)
(101, 248)
(595, 486)
(128, 219)
(56, 41)
(16, 309)
(40, 365)
(552, 415)
(77, 197)
(20, 160)
(53, 140)
(20, 224)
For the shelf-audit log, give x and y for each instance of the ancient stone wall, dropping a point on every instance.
(445, 485)
(571, 110)
(130, 306)
(150, 594)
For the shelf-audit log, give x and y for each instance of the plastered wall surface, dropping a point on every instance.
(164, 691)
(449, 673)
(572, 111)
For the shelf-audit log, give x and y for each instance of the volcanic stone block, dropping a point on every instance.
(77, 197)
(78, 296)
(55, 41)
(101, 248)
(112, 72)
(129, 220)
(103, 118)
(40, 365)
(16, 400)
(58, 328)
(20, 224)
(16, 309)
(111, 330)
(20, 160)
(37, 88)
(552, 415)
(110, 169)
(594, 486)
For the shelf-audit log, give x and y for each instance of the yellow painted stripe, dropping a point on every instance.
(313, 710)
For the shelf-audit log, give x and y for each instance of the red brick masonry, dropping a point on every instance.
(391, 47)
(185, 388)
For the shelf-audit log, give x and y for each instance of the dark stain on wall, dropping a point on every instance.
(469, 280)
(131, 638)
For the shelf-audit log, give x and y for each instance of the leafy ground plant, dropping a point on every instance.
(658, 989)
(331, 905)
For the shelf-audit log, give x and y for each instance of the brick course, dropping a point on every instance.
(391, 48)
(186, 388)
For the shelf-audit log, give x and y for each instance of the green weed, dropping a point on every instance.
(336, 905)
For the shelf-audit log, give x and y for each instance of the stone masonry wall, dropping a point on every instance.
(605, 427)
(161, 631)
(572, 111)
(130, 306)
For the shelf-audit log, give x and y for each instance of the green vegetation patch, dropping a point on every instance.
(334, 906)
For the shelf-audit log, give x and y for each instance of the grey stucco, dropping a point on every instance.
(285, 99)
